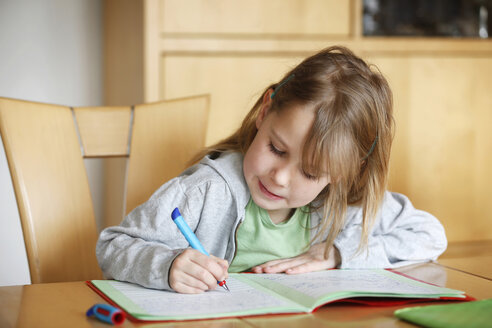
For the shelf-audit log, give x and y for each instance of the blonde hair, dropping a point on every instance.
(351, 135)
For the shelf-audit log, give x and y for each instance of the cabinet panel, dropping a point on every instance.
(442, 149)
(255, 17)
(234, 82)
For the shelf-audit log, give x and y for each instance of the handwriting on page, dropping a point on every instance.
(316, 284)
(157, 302)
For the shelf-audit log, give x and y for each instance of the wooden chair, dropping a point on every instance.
(45, 146)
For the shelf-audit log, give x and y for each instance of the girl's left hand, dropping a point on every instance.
(312, 260)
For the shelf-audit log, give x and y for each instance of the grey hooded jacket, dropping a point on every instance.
(212, 197)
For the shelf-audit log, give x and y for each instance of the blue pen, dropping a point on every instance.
(107, 313)
(191, 238)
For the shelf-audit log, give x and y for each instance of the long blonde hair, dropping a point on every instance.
(351, 135)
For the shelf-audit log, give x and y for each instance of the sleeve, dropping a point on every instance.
(401, 235)
(142, 248)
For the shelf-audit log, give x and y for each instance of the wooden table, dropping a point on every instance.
(473, 257)
(64, 305)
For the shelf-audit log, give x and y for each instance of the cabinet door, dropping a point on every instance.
(198, 53)
(234, 82)
(254, 18)
(442, 152)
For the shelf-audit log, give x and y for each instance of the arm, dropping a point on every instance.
(143, 248)
(312, 260)
(401, 235)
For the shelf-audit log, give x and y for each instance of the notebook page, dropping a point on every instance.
(151, 304)
(309, 287)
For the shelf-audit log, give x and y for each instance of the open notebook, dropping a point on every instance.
(255, 294)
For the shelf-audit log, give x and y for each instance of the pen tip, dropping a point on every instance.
(225, 286)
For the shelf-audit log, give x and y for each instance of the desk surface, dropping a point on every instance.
(64, 305)
(474, 257)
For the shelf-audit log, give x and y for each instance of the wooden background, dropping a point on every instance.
(231, 49)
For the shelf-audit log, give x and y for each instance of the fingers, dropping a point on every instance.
(220, 273)
(262, 267)
(186, 284)
(194, 272)
(293, 266)
(312, 260)
(310, 266)
(279, 265)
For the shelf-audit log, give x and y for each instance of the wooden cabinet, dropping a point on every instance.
(253, 18)
(442, 153)
(198, 47)
(234, 81)
(232, 49)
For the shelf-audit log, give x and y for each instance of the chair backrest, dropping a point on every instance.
(45, 146)
(165, 137)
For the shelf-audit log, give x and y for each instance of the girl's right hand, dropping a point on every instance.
(193, 272)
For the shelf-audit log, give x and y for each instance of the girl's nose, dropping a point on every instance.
(281, 175)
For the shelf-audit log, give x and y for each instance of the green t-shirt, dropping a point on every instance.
(259, 240)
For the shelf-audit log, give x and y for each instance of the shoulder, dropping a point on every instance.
(397, 211)
(222, 175)
(393, 205)
(225, 169)
(213, 186)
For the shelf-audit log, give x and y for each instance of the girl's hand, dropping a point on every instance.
(193, 272)
(312, 260)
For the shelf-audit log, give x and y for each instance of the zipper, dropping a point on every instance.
(235, 238)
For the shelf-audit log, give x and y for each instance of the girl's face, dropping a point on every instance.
(272, 165)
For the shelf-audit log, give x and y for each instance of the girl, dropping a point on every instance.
(299, 187)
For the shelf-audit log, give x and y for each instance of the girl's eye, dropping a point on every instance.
(309, 176)
(274, 150)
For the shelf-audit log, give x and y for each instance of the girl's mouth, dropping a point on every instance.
(267, 193)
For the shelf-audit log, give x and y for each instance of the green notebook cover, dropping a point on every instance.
(469, 314)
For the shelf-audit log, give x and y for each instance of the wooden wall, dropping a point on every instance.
(233, 49)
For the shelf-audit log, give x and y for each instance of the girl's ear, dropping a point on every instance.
(264, 107)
